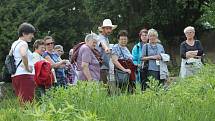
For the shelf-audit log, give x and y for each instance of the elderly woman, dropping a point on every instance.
(39, 48)
(122, 60)
(57, 63)
(191, 52)
(152, 57)
(59, 50)
(88, 66)
(71, 75)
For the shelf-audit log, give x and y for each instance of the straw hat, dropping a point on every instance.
(107, 23)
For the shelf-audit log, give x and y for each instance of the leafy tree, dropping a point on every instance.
(169, 17)
(65, 20)
(208, 17)
(68, 21)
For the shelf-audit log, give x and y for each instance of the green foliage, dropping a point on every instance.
(208, 16)
(165, 16)
(189, 99)
(66, 21)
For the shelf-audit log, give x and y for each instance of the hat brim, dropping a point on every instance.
(113, 27)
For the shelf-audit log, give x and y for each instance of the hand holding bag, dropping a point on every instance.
(121, 77)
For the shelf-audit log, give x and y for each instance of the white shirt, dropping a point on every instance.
(17, 56)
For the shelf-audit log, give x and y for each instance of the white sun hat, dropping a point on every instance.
(107, 23)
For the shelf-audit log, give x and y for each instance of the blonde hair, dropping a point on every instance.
(153, 32)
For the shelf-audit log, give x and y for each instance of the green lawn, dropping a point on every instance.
(190, 99)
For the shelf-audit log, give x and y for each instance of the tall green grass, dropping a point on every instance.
(189, 99)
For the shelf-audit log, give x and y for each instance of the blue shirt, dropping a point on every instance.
(153, 50)
(137, 53)
(121, 52)
(104, 55)
(58, 71)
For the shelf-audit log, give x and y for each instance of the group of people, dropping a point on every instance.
(96, 59)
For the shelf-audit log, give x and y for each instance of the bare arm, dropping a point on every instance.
(56, 65)
(86, 70)
(24, 56)
(118, 65)
(191, 54)
(155, 57)
(105, 47)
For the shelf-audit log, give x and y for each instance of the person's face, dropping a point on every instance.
(92, 44)
(123, 40)
(59, 51)
(152, 38)
(144, 37)
(107, 30)
(49, 44)
(41, 49)
(28, 37)
(189, 34)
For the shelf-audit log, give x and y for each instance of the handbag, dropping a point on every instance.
(121, 77)
(144, 69)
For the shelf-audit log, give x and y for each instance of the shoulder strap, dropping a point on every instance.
(123, 55)
(12, 50)
(138, 49)
(138, 53)
(76, 51)
(147, 62)
(146, 49)
(121, 52)
(19, 63)
(97, 55)
(50, 56)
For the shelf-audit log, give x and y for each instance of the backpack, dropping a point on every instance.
(10, 67)
(43, 74)
(75, 52)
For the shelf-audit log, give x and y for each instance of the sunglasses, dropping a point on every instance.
(51, 43)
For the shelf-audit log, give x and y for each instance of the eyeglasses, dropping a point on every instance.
(51, 43)
(189, 32)
(60, 51)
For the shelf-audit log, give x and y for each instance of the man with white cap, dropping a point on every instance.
(103, 47)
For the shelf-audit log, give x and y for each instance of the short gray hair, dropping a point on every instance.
(58, 47)
(189, 28)
(91, 36)
(152, 32)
